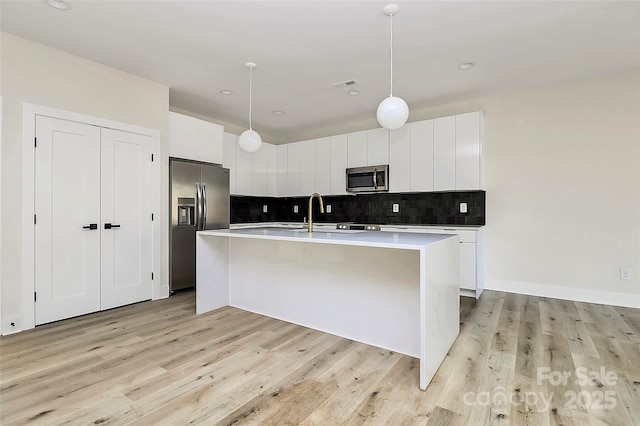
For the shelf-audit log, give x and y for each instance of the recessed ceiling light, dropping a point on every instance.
(226, 92)
(466, 65)
(354, 92)
(58, 4)
(278, 112)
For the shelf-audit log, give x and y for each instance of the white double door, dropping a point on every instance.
(93, 225)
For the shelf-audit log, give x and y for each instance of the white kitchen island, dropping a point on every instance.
(397, 291)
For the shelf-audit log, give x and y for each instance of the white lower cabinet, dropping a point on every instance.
(471, 254)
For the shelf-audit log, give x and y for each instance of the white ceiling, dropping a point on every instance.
(198, 48)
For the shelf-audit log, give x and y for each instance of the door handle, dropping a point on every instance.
(204, 207)
(91, 226)
(109, 226)
(199, 206)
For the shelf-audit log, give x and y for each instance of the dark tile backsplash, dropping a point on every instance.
(423, 208)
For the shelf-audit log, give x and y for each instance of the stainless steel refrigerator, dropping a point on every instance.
(199, 194)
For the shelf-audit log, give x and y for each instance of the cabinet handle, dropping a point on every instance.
(91, 226)
(109, 226)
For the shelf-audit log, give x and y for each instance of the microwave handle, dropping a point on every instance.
(375, 179)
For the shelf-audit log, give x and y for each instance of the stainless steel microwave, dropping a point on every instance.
(368, 179)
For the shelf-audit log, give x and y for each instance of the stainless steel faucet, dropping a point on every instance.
(310, 211)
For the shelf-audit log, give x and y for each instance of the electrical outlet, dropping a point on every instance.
(463, 208)
(10, 326)
(264, 208)
(396, 208)
(625, 274)
(328, 209)
(295, 208)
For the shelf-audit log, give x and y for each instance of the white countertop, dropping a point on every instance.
(398, 240)
(333, 225)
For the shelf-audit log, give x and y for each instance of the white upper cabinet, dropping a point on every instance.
(294, 168)
(259, 171)
(323, 166)
(307, 168)
(195, 139)
(272, 169)
(377, 146)
(264, 170)
(468, 150)
(282, 181)
(339, 153)
(444, 154)
(400, 159)
(357, 149)
(244, 172)
(229, 159)
(422, 159)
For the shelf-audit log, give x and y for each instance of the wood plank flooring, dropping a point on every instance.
(518, 360)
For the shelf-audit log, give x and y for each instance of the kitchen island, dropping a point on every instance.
(397, 291)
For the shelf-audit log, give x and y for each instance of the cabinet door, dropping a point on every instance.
(323, 166)
(444, 154)
(244, 172)
(195, 139)
(468, 149)
(272, 169)
(400, 159)
(294, 168)
(422, 160)
(282, 181)
(377, 147)
(468, 266)
(229, 159)
(339, 153)
(259, 172)
(308, 168)
(358, 149)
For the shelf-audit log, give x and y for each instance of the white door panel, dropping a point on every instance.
(67, 198)
(126, 205)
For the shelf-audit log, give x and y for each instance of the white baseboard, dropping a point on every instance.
(628, 300)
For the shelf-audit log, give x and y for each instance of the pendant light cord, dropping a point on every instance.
(250, 91)
(391, 49)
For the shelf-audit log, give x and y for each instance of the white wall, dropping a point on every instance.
(36, 74)
(562, 170)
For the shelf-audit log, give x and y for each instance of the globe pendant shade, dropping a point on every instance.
(393, 112)
(250, 141)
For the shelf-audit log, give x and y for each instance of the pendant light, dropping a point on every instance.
(250, 140)
(392, 112)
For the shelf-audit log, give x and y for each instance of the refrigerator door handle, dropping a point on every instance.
(204, 206)
(198, 206)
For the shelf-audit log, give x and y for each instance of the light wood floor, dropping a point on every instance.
(156, 363)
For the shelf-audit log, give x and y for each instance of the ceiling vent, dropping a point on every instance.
(348, 83)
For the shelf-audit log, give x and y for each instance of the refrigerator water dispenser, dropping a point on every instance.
(186, 211)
